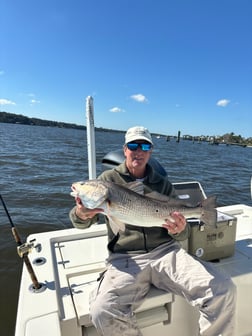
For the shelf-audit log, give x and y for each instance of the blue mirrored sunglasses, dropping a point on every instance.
(133, 146)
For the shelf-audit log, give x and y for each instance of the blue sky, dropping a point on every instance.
(166, 64)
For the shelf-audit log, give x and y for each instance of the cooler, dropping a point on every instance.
(213, 243)
(207, 242)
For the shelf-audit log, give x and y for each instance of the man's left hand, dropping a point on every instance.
(177, 224)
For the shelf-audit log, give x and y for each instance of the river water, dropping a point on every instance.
(39, 164)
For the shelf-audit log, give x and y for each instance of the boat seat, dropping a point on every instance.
(155, 308)
(82, 278)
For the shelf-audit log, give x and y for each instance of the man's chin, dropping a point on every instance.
(138, 163)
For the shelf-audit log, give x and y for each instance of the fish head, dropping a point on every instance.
(92, 193)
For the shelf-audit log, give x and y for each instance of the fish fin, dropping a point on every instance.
(209, 202)
(116, 225)
(136, 186)
(209, 213)
(157, 196)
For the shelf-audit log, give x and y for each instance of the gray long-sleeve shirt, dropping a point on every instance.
(135, 239)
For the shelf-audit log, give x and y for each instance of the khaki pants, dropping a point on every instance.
(168, 267)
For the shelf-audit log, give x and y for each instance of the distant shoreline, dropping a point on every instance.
(12, 118)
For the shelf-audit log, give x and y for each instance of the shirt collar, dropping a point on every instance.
(151, 175)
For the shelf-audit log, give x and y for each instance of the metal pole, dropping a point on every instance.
(90, 138)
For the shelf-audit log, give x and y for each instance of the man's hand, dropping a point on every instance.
(84, 213)
(177, 224)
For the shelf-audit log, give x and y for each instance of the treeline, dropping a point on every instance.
(228, 138)
(12, 118)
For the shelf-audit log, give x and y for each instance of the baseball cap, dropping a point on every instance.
(138, 133)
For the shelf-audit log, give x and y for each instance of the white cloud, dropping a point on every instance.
(223, 102)
(116, 110)
(34, 101)
(6, 102)
(139, 98)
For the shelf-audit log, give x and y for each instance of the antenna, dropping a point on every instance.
(90, 138)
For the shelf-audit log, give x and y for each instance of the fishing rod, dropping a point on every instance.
(22, 249)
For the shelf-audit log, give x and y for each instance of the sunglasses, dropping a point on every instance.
(133, 146)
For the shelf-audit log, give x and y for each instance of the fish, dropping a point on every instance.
(127, 204)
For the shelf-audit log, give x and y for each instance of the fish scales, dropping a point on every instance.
(128, 204)
(145, 210)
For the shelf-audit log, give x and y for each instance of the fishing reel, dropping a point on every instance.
(26, 248)
(23, 249)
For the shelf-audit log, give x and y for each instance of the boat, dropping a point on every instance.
(68, 262)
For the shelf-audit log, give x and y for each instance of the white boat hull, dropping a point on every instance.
(72, 261)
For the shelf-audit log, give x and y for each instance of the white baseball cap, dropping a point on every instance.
(138, 133)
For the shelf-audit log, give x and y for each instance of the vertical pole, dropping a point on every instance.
(90, 138)
(178, 137)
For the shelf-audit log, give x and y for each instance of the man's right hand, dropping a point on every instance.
(85, 213)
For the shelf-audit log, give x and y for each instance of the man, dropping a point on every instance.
(142, 256)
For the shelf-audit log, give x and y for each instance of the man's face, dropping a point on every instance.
(137, 159)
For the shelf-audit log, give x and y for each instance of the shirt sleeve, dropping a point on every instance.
(80, 223)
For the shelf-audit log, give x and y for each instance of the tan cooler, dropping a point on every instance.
(207, 242)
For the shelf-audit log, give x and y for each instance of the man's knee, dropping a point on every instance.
(231, 293)
(97, 312)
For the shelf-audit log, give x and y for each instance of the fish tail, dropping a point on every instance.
(116, 225)
(209, 213)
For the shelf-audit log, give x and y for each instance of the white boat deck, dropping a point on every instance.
(72, 261)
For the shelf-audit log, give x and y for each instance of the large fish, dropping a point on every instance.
(127, 204)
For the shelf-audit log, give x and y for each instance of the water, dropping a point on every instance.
(38, 165)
